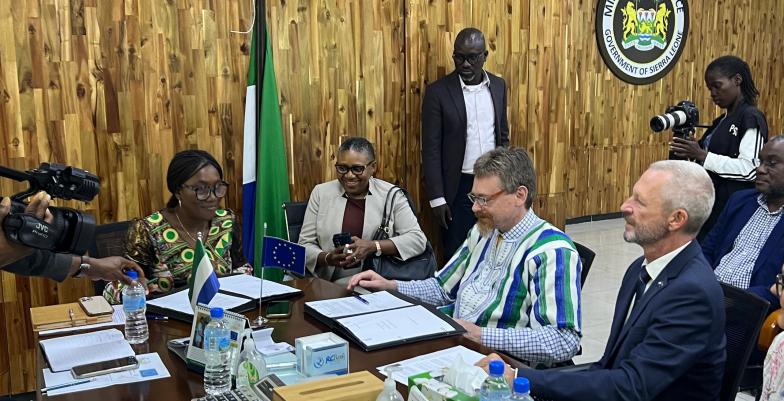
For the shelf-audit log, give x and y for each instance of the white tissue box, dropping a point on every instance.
(321, 354)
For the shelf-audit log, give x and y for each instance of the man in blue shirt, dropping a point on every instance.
(746, 246)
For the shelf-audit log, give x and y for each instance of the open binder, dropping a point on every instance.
(238, 294)
(394, 324)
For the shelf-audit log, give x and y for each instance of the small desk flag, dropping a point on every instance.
(284, 254)
(203, 283)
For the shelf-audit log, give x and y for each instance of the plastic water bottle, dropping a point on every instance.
(495, 387)
(134, 306)
(522, 390)
(252, 366)
(217, 373)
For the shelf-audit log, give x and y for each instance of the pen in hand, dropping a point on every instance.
(363, 300)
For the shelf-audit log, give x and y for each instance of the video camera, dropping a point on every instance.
(71, 231)
(682, 118)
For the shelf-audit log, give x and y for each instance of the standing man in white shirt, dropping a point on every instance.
(463, 116)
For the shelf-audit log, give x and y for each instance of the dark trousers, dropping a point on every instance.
(462, 217)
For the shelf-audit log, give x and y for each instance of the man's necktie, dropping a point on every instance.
(642, 281)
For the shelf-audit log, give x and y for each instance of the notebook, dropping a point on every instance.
(63, 353)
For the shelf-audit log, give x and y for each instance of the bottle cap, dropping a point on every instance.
(216, 313)
(521, 385)
(132, 274)
(497, 368)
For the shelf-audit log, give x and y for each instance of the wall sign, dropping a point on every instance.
(641, 40)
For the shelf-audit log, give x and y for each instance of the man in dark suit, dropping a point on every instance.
(463, 116)
(745, 246)
(667, 336)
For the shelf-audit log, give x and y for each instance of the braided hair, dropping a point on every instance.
(183, 166)
(731, 65)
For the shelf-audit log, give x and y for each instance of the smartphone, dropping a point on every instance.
(104, 367)
(341, 239)
(96, 306)
(276, 309)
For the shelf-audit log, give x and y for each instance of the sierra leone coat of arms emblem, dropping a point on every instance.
(641, 40)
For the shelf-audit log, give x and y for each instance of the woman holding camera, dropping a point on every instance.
(163, 243)
(354, 204)
(730, 147)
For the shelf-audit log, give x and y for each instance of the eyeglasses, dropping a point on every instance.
(357, 169)
(779, 283)
(203, 191)
(483, 200)
(472, 58)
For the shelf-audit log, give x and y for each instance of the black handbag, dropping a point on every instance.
(418, 267)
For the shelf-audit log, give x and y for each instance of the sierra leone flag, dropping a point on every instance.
(265, 180)
(203, 283)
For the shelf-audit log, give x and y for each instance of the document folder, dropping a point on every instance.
(391, 327)
(236, 297)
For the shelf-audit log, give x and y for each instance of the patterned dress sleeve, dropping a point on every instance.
(138, 248)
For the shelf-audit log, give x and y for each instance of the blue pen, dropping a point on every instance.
(64, 385)
(152, 316)
(363, 300)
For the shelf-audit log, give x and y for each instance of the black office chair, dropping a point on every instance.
(586, 258)
(745, 314)
(295, 215)
(109, 241)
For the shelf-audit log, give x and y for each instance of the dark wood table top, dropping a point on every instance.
(185, 384)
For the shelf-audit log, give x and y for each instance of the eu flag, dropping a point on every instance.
(284, 254)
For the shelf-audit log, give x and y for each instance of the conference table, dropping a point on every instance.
(185, 384)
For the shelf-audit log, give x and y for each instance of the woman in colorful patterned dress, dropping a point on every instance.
(163, 242)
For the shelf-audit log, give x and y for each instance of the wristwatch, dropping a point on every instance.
(83, 268)
(378, 248)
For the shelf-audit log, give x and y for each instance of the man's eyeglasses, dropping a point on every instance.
(357, 169)
(483, 200)
(203, 191)
(472, 58)
(779, 284)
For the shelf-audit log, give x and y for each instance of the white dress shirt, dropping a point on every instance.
(480, 122)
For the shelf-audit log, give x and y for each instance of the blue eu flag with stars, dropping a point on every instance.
(284, 254)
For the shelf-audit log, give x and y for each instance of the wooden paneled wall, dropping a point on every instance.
(117, 87)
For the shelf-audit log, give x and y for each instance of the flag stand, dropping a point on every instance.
(260, 320)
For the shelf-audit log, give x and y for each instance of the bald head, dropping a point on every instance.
(470, 37)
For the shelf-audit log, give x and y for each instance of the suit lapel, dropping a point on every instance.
(622, 305)
(671, 271)
(374, 207)
(771, 246)
(496, 93)
(456, 93)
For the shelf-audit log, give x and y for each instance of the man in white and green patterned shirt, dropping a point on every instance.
(514, 284)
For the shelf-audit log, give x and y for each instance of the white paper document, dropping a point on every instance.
(435, 361)
(179, 302)
(118, 319)
(347, 306)
(63, 353)
(150, 368)
(249, 286)
(395, 325)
